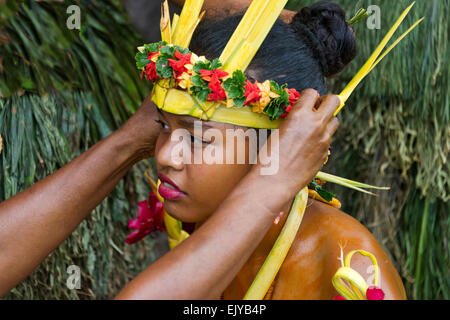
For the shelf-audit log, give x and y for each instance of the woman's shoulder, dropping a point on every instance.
(315, 254)
(333, 229)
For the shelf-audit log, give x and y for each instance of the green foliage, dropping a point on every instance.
(200, 88)
(277, 106)
(207, 65)
(61, 91)
(328, 196)
(235, 87)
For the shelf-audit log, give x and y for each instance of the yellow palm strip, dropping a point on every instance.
(349, 283)
(188, 19)
(174, 22)
(174, 227)
(166, 33)
(367, 254)
(373, 59)
(250, 34)
(396, 42)
(333, 202)
(246, 23)
(348, 183)
(273, 262)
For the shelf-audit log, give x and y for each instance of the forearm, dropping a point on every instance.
(202, 266)
(34, 222)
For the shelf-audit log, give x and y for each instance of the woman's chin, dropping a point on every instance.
(180, 212)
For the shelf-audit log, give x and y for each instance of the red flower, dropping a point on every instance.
(213, 77)
(218, 93)
(149, 219)
(150, 72)
(178, 65)
(293, 97)
(207, 75)
(339, 298)
(252, 93)
(374, 293)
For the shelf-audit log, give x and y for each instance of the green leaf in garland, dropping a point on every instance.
(326, 195)
(207, 65)
(152, 47)
(163, 69)
(215, 64)
(277, 106)
(200, 88)
(235, 87)
(141, 60)
(167, 51)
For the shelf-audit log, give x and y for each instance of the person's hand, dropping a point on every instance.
(142, 130)
(304, 139)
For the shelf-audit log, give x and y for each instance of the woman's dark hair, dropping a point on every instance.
(317, 43)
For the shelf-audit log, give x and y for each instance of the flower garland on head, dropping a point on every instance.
(206, 81)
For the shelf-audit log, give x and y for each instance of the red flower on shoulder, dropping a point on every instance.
(150, 218)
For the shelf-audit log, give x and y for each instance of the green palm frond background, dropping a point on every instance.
(63, 90)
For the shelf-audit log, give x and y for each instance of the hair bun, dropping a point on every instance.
(323, 27)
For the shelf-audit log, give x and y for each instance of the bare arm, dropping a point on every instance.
(50, 210)
(215, 7)
(202, 266)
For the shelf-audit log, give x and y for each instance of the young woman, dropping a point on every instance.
(317, 43)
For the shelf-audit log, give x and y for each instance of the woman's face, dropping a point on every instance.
(202, 184)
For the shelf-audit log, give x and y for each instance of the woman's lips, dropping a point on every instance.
(169, 190)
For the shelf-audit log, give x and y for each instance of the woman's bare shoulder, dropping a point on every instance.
(324, 231)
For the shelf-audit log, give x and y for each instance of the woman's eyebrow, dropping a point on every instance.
(190, 124)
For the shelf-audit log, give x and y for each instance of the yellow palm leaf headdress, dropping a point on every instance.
(218, 90)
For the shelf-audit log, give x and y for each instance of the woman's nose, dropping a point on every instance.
(174, 151)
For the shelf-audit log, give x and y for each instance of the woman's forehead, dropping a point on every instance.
(188, 121)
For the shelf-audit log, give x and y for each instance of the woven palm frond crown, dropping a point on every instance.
(218, 90)
(215, 90)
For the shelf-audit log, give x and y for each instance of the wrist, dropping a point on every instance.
(128, 148)
(273, 191)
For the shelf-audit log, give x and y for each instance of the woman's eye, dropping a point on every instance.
(194, 138)
(163, 125)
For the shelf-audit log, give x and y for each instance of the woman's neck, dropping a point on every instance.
(271, 236)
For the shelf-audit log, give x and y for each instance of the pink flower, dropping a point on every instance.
(374, 293)
(150, 218)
